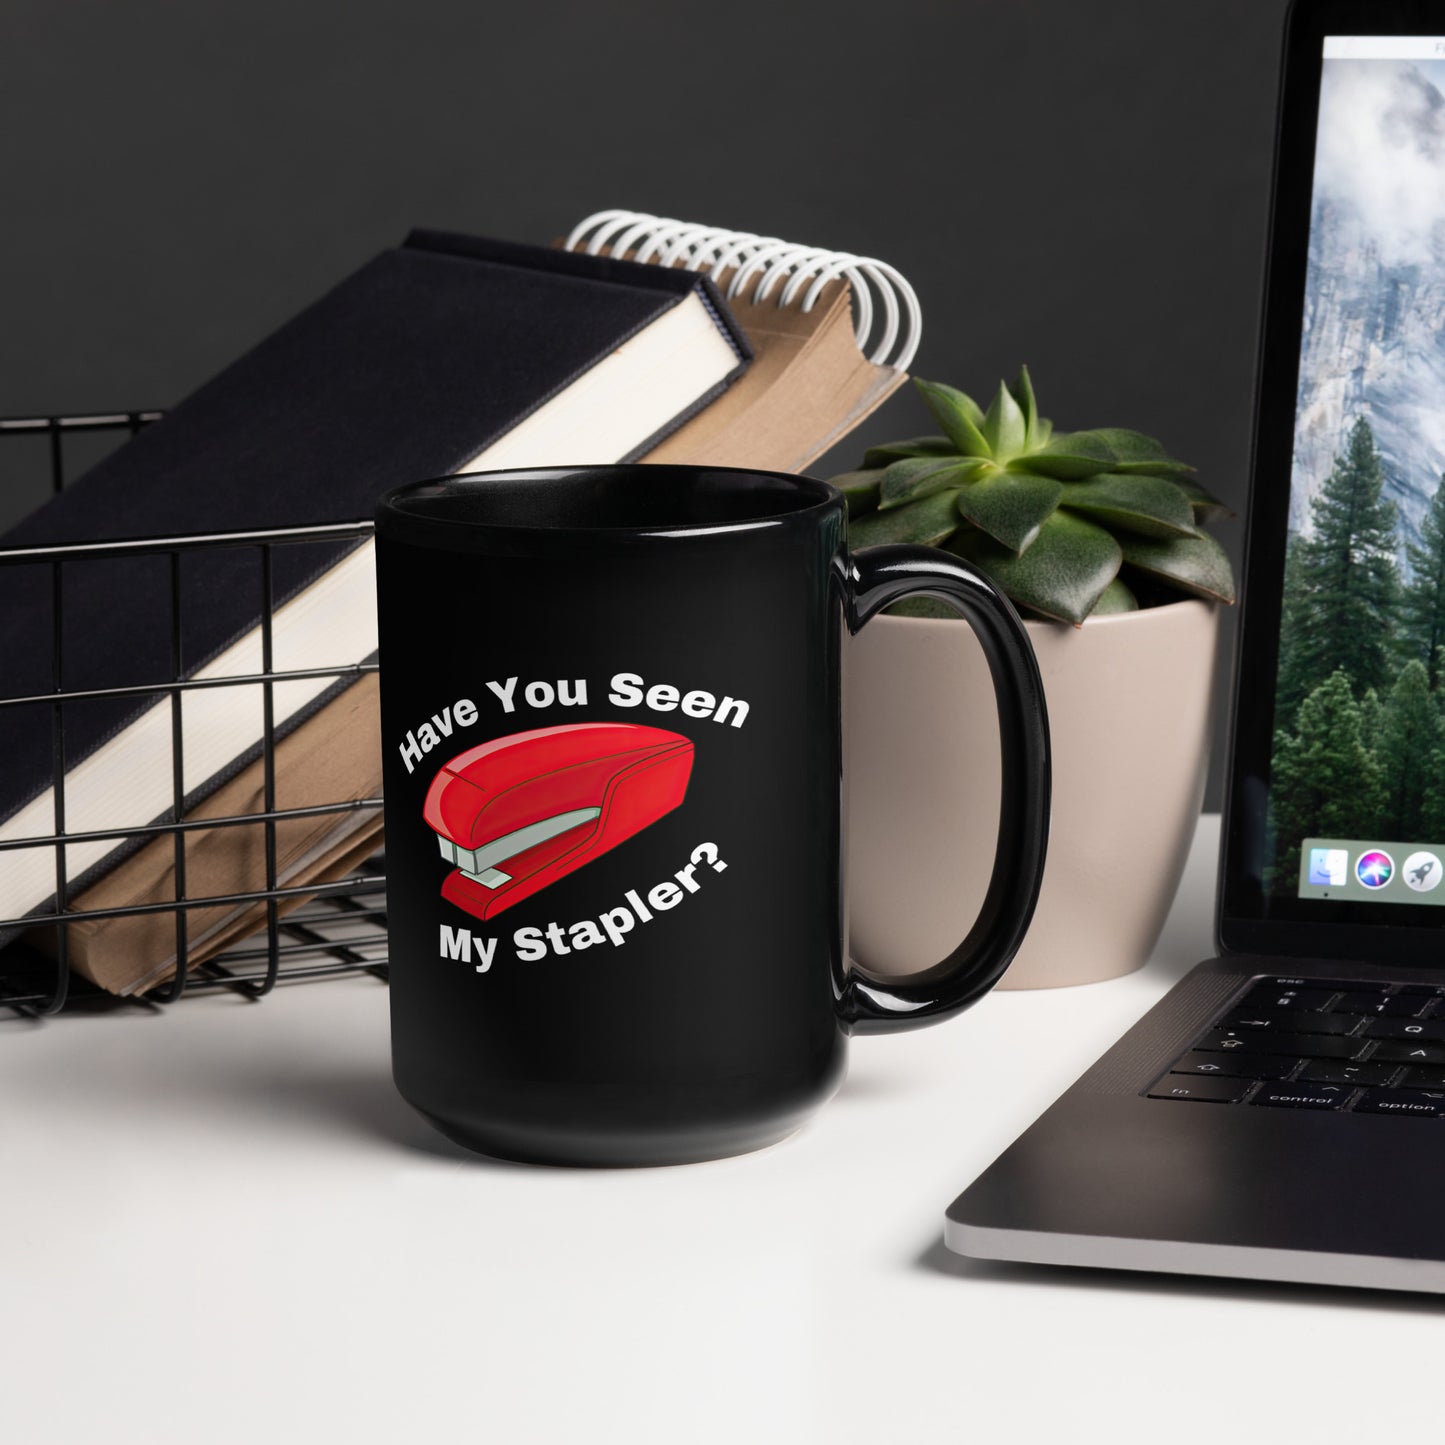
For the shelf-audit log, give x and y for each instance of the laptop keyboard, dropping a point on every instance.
(1298, 1043)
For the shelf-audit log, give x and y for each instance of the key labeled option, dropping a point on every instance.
(1419, 1103)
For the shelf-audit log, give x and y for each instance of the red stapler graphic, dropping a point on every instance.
(520, 812)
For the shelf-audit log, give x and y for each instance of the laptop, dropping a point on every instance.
(1280, 1114)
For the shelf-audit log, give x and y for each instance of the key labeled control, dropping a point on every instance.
(1303, 1096)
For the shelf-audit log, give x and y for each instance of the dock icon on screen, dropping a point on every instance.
(1329, 867)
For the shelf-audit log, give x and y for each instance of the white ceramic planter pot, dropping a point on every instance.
(1129, 715)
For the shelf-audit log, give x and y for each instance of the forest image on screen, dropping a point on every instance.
(1359, 741)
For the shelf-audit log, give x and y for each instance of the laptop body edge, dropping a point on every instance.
(1186, 1257)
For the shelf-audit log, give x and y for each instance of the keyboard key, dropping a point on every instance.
(1325, 1071)
(1269, 1041)
(1429, 1033)
(1422, 990)
(1405, 1006)
(1421, 1104)
(1291, 1021)
(1390, 1006)
(1273, 995)
(1303, 1096)
(1419, 1078)
(1208, 1091)
(1404, 1052)
(1239, 1065)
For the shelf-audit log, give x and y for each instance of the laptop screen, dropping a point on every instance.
(1356, 792)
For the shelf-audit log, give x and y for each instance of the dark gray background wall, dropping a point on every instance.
(1078, 184)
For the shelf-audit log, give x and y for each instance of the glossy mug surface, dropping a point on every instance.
(611, 724)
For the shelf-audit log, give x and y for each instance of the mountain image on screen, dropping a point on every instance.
(1359, 745)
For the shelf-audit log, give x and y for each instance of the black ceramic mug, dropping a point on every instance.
(611, 723)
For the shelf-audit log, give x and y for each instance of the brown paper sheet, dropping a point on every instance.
(807, 388)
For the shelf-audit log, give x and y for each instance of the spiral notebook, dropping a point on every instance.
(832, 335)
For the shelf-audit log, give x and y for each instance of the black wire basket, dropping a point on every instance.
(340, 930)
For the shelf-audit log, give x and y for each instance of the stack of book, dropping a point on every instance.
(636, 339)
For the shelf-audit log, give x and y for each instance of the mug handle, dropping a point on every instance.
(875, 578)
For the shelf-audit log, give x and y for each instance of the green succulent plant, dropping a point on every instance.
(1069, 525)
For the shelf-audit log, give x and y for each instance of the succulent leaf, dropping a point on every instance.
(880, 456)
(915, 477)
(926, 522)
(1194, 564)
(1116, 597)
(955, 398)
(1004, 428)
(1072, 456)
(1207, 507)
(1010, 506)
(1063, 574)
(1023, 393)
(1135, 452)
(1069, 456)
(860, 489)
(957, 414)
(1153, 506)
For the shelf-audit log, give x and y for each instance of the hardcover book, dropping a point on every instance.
(444, 354)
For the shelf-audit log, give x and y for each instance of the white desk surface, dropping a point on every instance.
(219, 1223)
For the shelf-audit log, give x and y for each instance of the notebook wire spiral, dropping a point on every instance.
(755, 268)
